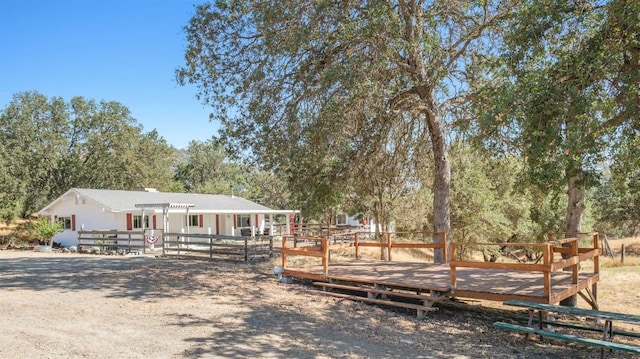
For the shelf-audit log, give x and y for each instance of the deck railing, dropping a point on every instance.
(573, 250)
(557, 255)
(321, 246)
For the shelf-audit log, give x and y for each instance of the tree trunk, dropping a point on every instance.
(573, 221)
(441, 183)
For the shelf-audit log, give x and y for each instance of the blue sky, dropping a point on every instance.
(114, 50)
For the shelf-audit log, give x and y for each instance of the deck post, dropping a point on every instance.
(452, 267)
(574, 253)
(547, 255)
(325, 255)
(389, 246)
(596, 265)
(444, 247)
(283, 253)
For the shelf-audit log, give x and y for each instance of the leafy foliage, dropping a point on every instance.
(299, 83)
(49, 146)
(46, 229)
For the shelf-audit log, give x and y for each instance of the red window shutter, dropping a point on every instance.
(73, 222)
(155, 222)
(129, 221)
(217, 224)
(256, 222)
(201, 221)
(234, 222)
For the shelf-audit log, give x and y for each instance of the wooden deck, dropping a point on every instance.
(487, 284)
(555, 276)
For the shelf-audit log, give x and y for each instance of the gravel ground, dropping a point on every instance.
(57, 305)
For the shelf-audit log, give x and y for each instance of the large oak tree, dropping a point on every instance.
(282, 76)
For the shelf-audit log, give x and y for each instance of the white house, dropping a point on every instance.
(97, 209)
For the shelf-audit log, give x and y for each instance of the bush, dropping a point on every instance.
(45, 230)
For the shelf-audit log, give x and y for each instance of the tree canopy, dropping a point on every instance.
(49, 145)
(294, 81)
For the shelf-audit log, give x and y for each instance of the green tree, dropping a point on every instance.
(280, 76)
(569, 85)
(576, 67)
(206, 169)
(49, 146)
(45, 229)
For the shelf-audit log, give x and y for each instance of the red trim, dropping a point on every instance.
(73, 222)
(155, 222)
(234, 222)
(201, 220)
(256, 222)
(129, 221)
(217, 224)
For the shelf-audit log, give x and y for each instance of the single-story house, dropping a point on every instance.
(99, 209)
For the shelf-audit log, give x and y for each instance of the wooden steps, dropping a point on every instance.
(381, 297)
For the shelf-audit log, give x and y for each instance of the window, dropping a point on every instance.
(194, 220)
(243, 220)
(341, 219)
(66, 221)
(137, 222)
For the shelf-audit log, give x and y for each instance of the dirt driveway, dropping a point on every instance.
(85, 306)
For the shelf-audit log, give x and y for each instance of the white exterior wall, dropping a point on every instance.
(87, 215)
(177, 223)
(91, 216)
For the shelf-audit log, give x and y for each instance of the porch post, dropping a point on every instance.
(144, 242)
(287, 224)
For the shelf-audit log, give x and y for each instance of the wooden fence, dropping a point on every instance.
(565, 254)
(321, 247)
(574, 249)
(111, 240)
(244, 248)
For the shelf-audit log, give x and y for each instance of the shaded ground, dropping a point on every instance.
(84, 306)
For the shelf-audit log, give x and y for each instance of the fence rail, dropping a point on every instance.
(244, 248)
(111, 240)
(315, 246)
(558, 255)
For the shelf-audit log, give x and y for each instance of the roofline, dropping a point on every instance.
(214, 211)
(164, 205)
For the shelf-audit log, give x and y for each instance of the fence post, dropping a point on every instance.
(271, 246)
(622, 253)
(211, 247)
(246, 249)
(355, 243)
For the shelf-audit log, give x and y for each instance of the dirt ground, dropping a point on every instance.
(55, 305)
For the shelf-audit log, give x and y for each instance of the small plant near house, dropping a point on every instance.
(45, 230)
